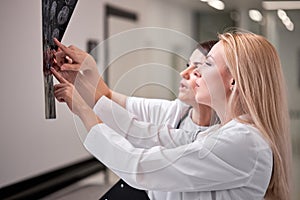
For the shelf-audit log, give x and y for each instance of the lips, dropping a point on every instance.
(196, 84)
(183, 85)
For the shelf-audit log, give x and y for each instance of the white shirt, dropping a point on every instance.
(159, 111)
(228, 162)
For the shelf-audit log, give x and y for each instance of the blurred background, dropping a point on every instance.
(142, 47)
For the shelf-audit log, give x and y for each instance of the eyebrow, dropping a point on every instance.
(196, 62)
(209, 56)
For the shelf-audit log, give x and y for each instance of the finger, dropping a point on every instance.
(63, 90)
(60, 94)
(68, 60)
(56, 67)
(71, 67)
(59, 86)
(60, 99)
(60, 54)
(58, 76)
(57, 62)
(59, 50)
(63, 48)
(60, 58)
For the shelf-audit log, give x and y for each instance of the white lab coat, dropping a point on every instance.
(228, 162)
(158, 111)
(173, 113)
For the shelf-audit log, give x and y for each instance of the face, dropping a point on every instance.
(213, 80)
(187, 84)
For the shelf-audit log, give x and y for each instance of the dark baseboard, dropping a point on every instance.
(45, 184)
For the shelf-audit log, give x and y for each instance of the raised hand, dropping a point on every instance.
(74, 59)
(60, 59)
(66, 92)
(80, 69)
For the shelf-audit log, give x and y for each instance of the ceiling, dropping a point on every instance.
(229, 4)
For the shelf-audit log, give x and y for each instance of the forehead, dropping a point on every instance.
(217, 54)
(197, 56)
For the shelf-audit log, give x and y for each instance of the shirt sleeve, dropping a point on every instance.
(157, 111)
(220, 161)
(139, 133)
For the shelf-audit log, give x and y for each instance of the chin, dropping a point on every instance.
(183, 95)
(181, 98)
(180, 95)
(200, 99)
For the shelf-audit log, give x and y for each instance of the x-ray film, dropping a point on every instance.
(56, 16)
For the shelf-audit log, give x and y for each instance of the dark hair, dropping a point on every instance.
(206, 46)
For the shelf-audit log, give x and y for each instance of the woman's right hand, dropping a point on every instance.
(74, 59)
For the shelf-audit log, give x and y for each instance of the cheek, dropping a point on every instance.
(192, 82)
(202, 94)
(210, 88)
(216, 89)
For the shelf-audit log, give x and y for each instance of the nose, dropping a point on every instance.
(197, 73)
(186, 73)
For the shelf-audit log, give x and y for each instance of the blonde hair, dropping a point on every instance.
(260, 92)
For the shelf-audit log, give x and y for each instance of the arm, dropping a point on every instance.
(157, 111)
(218, 162)
(140, 133)
(66, 92)
(225, 159)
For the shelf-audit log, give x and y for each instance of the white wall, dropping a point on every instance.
(29, 144)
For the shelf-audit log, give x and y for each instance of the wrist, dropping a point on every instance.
(102, 90)
(84, 110)
(88, 117)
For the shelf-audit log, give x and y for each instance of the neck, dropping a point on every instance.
(223, 113)
(201, 115)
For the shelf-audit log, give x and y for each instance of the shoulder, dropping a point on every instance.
(240, 144)
(245, 133)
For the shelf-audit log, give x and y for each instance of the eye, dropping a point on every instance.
(187, 65)
(208, 64)
(209, 61)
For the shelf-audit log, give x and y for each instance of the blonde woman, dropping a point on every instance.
(247, 156)
(259, 93)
